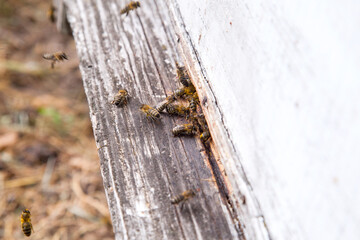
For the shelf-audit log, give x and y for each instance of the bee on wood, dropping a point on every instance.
(26, 223)
(202, 122)
(51, 13)
(182, 76)
(55, 57)
(183, 197)
(150, 112)
(184, 129)
(189, 91)
(193, 105)
(205, 136)
(131, 6)
(120, 98)
(179, 92)
(177, 109)
(162, 105)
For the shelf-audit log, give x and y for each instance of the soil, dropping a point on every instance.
(48, 157)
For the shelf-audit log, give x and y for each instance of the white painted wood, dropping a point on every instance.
(282, 79)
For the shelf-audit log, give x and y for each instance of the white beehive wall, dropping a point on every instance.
(286, 75)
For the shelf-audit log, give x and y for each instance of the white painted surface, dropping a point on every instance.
(286, 76)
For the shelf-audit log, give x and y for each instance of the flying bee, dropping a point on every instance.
(177, 109)
(51, 13)
(55, 57)
(184, 129)
(182, 76)
(26, 223)
(183, 197)
(162, 105)
(120, 98)
(150, 112)
(131, 6)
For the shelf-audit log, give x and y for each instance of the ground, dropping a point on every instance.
(48, 158)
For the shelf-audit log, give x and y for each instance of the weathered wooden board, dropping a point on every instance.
(142, 164)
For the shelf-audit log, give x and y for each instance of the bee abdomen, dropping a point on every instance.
(48, 56)
(125, 10)
(184, 79)
(60, 56)
(26, 228)
(177, 199)
(161, 106)
(185, 129)
(119, 101)
(121, 98)
(154, 113)
(170, 108)
(192, 105)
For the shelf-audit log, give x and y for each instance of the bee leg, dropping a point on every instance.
(32, 227)
(52, 64)
(127, 13)
(182, 206)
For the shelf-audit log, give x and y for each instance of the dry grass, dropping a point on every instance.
(48, 159)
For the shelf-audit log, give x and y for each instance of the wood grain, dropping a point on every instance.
(142, 164)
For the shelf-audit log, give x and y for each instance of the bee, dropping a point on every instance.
(184, 129)
(181, 198)
(177, 109)
(150, 112)
(202, 122)
(182, 76)
(192, 105)
(195, 97)
(131, 6)
(179, 92)
(120, 98)
(26, 223)
(162, 105)
(55, 57)
(204, 136)
(51, 13)
(189, 91)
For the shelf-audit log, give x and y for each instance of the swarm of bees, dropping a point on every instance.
(26, 223)
(131, 6)
(183, 102)
(190, 111)
(55, 57)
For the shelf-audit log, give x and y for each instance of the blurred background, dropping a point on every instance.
(48, 157)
